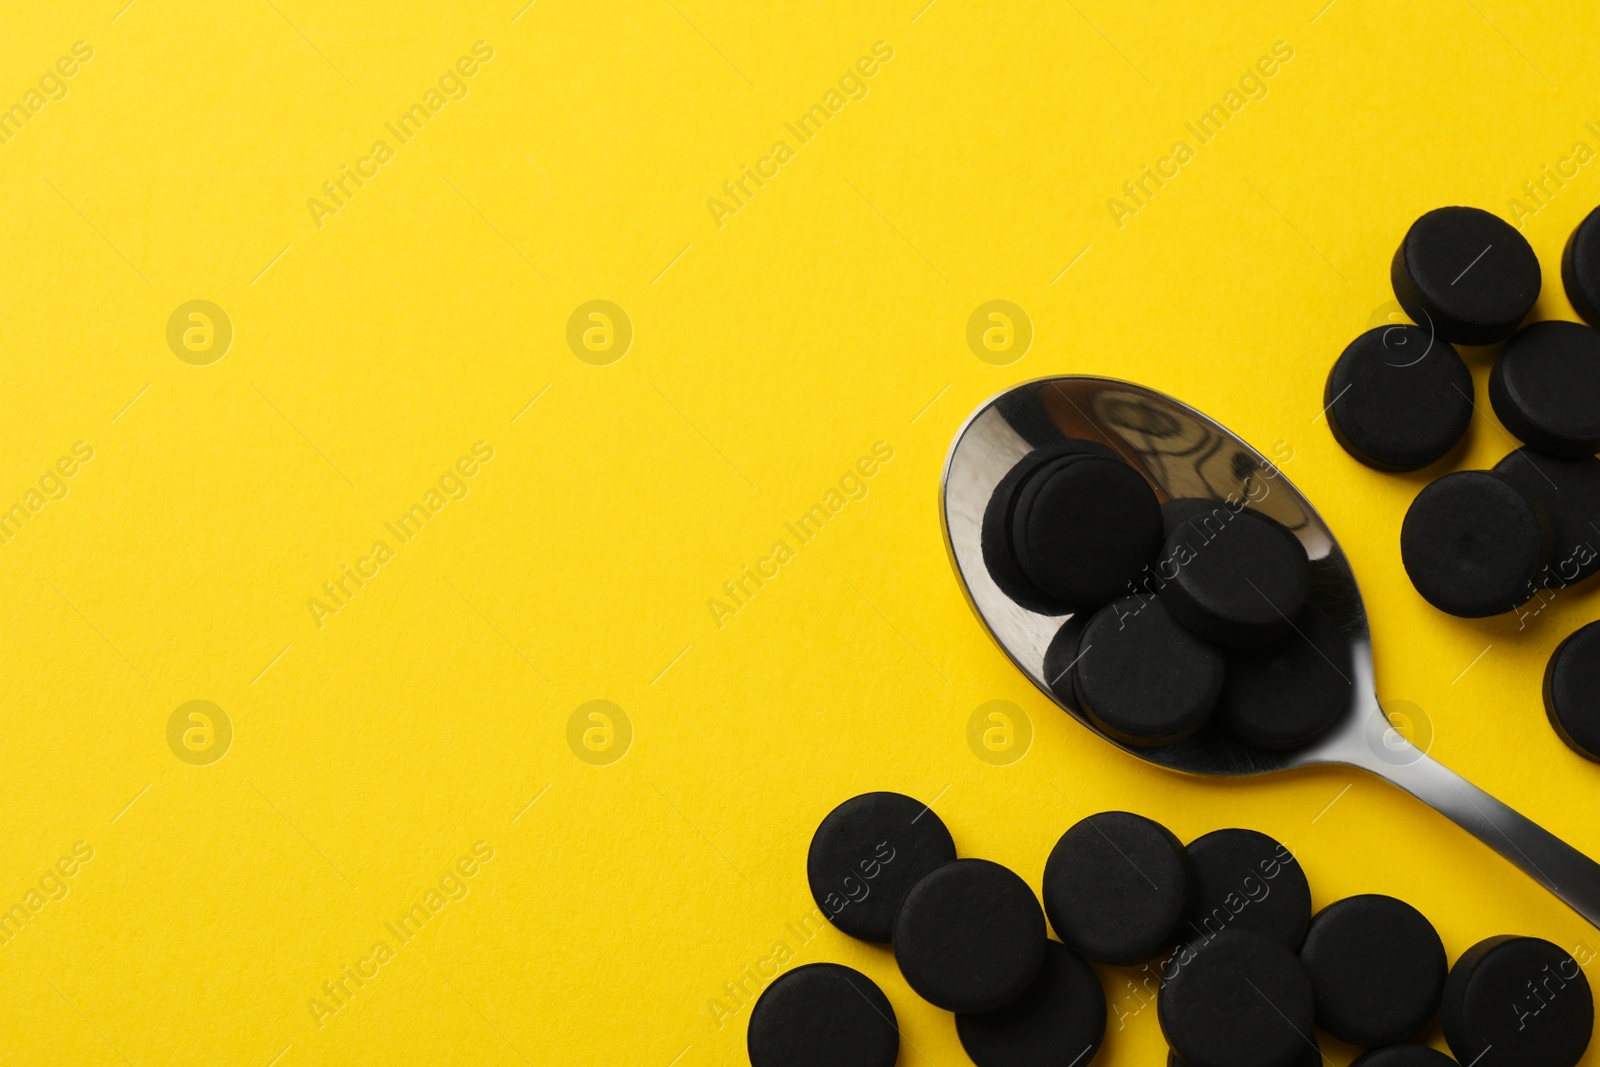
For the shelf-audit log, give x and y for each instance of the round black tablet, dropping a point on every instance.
(1061, 659)
(1517, 1002)
(1398, 398)
(1473, 544)
(999, 555)
(1084, 528)
(1546, 388)
(1580, 268)
(1289, 694)
(1242, 1000)
(1209, 512)
(1569, 492)
(1378, 968)
(867, 854)
(1312, 1057)
(1117, 887)
(1572, 691)
(1466, 275)
(1244, 880)
(970, 936)
(823, 1015)
(1057, 1022)
(1404, 1056)
(1141, 677)
(1238, 584)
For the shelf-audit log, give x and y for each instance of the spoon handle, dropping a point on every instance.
(1550, 861)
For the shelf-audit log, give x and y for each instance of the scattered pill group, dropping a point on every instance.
(1399, 398)
(1183, 615)
(1248, 975)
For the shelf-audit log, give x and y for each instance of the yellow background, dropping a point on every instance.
(769, 354)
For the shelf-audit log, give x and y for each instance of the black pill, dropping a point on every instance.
(823, 1015)
(1466, 274)
(1404, 1056)
(1569, 492)
(1057, 1022)
(1580, 268)
(999, 555)
(1117, 887)
(1141, 677)
(1546, 388)
(1242, 1000)
(1312, 1057)
(1473, 544)
(1061, 659)
(1378, 968)
(1237, 583)
(1208, 511)
(1244, 880)
(970, 936)
(1572, 691)
(1398, 398)
(1291, 693)
(867, 854)
(1084, 528)
(1517, 1002)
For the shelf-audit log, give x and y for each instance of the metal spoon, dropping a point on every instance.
(1182, 453)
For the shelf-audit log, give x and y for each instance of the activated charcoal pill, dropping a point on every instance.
(1084, 528)
(1141, 677)
(1517, 1002)
(1311, 1057)
(1465, 276)
(1568, 490)
(1473, 544)
(1288, 694)
(1546, 388)
(1572, 691)
(999, 554)
(1057, 1022)
(1404, 1056)
(1378, 968)
(867, 854)
(970, 936)
(1241, 1000)
(823, 1015)
(1580, 268)
(1117, 887)
(1398, 398)
(1244, 880)
(1061, 660)
(1239, 583)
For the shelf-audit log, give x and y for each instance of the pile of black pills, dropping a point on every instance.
(1247, 975)
(1482, 543)
(1399, 398)
(969, 936)
(1183, 612)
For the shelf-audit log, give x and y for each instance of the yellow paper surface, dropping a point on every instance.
(401, 316)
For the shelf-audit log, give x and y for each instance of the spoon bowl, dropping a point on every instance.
(1182, 453)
